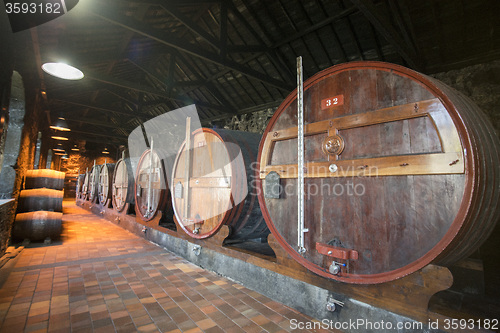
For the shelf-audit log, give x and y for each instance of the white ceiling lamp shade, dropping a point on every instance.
(59, 148)
(60, 125)
(62, 71)
(61, 138)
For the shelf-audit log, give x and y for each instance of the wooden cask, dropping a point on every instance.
(105, 182)
(86, 186)
(123, 184)
(37, 225)
(40, 199)
(93, 187)
(213, 185)
(44, 178)
(400, 171)
(79, 186)
(151, 191)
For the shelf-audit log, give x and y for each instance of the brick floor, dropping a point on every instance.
(101, 278)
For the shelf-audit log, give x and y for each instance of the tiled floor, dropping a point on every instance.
(102, 278)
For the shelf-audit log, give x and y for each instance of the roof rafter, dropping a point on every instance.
(99, 108)
(150, 90)
(373, 15)
(110, 15)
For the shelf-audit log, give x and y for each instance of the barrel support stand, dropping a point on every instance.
(153, 223)
(84, 203)
(99, 209)
(215, 241)
(408, 295)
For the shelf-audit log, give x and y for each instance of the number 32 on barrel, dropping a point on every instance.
(332, 101)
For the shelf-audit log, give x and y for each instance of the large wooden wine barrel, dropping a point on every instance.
(151, 191)
(44, 178)
(105, 182)
(40, 199)
(79, 185)
(37, 225)
(123, 184)
(213, 184)
(93, 188)
(400, 171)
(86, 186)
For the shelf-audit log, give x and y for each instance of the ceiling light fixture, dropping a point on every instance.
(105, 151)
(62, 138)
(60, 153)
(75, 148)
(60, 124)
(59, 147)
(62, 71)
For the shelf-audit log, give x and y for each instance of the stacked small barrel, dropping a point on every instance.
(39, 210)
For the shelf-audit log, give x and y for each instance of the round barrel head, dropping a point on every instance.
(207, 183)
(120, 187)
(387, 184)
(150, 186)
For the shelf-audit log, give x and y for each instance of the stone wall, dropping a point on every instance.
(77, 163)
(80, 162)
(25, 118)
(481, 83)
(252, 122)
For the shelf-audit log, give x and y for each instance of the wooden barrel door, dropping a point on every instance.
(85, 186)
(79, 186)
(93, 187)
(211, 184)
(151, 192)
(400, 171)
(123, 185)
(105, 178)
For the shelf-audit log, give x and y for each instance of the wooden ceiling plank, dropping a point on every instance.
(142, 88)
(120, 96)
(108, 135)
(89, 121)
(91, 138)
(277, 61)
(403, 28)
(223, 29)
(160, 36)
(343, 14)
(188, 23)
(208, 85)
(373, 15)
(99, 108)
(200, 82)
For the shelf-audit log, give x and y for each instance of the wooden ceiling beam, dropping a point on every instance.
(150, 90)
(92, 138)
(102, 123)
(372, 14)
(109, 135)
(99, 108)
(109, 14)
(188, 23)
(208, 84)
